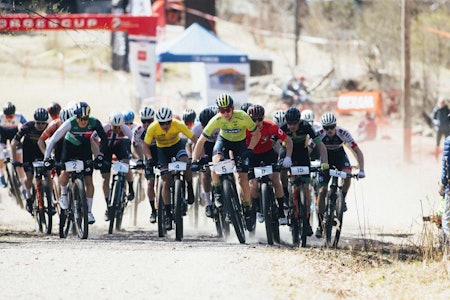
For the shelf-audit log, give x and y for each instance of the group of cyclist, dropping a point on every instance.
(220, 131)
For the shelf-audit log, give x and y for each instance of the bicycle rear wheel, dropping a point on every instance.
(233, 208)
(161, 226)
(178, 210)
(46, 209)
(14, 184)
(80, 209)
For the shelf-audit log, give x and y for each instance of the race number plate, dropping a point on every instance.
(337, 173)
(120, 167)
(177, 166)
(224, 167)
(262, 171)
(299, 170)
(74, 166)
(38, 164)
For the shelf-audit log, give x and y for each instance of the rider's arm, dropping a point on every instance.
(198, 149)
(359, 157)
(59, 134)
(103, 137)
(14, 144)
(256, 135)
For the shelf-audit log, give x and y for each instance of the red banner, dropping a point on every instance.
(134, 25)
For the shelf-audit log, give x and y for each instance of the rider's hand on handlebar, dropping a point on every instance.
(195, 167)
(98, 162)
(361, 174)
(287, 162)
(247, 153)
(49, 163)
(324, 166)
(16, 163)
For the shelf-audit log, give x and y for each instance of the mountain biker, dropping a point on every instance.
(54, 110)
(300, 131)
(205, 177)
(77, 132)
(166, 131)
(118, 136)
(147, 115)
(28, 136)
(9, 123)
(232, 137)
(265, 153)
(128, 116)
(334, 138)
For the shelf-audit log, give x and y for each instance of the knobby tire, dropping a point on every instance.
(267, 211)
(161, 226)
(232, 206)
(80, 209)
(178, 210)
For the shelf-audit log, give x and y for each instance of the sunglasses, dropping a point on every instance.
(9, 116)
(83, 119)
(329, 127)
(292, 122)
(257, 119)
(147, 121)
(225, 110)
(129, 123)
(165, 123)
(41, 123)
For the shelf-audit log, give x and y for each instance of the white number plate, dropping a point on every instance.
(74, 166)
(120, 167)
(337, 173)
(263, 171)
(38, 164)
(177, 166)
(224, 167)
(299, 170)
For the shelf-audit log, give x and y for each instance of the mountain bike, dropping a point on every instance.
(117, 197)
(298, 212)
(334, 213)
(231, 204)
(77, 214)
(13, 182)
(194, 208)
(267, 204)
(177, 198)
(43, 209)
(139, 190)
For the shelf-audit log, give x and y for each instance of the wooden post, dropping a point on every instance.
(406, 62)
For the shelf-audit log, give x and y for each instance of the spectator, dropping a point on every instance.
(367, 128)
(441, 121)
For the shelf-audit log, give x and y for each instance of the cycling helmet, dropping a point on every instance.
(279, 118)
(147, 113)
(54, 109)
(224, 100)
(164, 114)
(117, 119)
(65, 114)
(41, 114)
(128, 116)
(9, 109)
(246, 106)
(214, 108)
(256, 111)
(206, 115)
(82, 110)
(307, 115)
(328, 119)
(292, 114)
(189, 115)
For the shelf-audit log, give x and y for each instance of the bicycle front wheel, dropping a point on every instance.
(45, 209)
(304, 222)
(139, 196)
(267, 210)
(114, 208)
(161, 226)
(14, 184)
(80, 209)
(334, 218)
(178, 210)
(233, 209)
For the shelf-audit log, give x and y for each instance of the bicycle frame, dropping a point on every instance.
(117, 197)
(42, 212)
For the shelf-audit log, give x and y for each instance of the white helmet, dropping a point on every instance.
(308, 116)
(147, 113)
(164, 114)
(328, 119)
(65, 114)
(279, 118)
(116, 119)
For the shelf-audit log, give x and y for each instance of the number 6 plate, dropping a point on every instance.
(262, 171)
(224, 167)
(299, 170)
(74, 165)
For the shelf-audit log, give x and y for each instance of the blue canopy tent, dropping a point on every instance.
(213, 57)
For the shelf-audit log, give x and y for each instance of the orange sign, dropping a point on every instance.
(349, 102)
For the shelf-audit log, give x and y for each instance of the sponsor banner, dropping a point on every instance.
(349, 102)
(143, 65)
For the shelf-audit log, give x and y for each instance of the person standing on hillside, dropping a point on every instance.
(441, 121)
(444, 189)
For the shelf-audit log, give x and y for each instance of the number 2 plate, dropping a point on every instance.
(74, 165)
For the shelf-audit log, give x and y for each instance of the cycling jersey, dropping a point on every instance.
(30, 136)
(167, 138)
(233, 130)
(268, 130)
(9, 127)
(337, 142)
(51, 129)
(197, 129)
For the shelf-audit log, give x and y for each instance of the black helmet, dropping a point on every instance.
(246, 106)
(292, 114)
(189, 115)
(206, 115)
(256, 111)
(54, 109)
(9, 109)
(41, 114)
